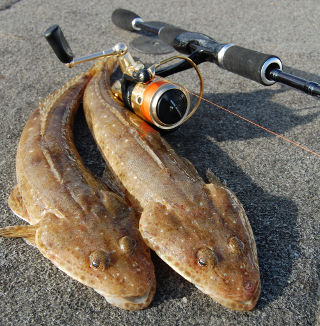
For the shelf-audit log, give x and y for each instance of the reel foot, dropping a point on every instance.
(150, 45)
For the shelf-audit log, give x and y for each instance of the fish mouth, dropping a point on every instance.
(132, 302)
(239, 305)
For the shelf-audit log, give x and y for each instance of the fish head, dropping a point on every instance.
(211, 245)
(103, 250)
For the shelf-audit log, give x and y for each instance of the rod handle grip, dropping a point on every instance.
(249, 63)
(58, 43)
(125, 19)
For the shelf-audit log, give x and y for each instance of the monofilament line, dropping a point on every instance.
(249, 121)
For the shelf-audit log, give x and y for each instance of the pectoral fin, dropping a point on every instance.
(26, 232)
(16, 204)
(213, 178)
(230, 208)
(160, 226)
(190, 170)
(225, 201)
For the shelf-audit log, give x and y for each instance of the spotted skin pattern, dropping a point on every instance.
(86, 230)
(200, 230)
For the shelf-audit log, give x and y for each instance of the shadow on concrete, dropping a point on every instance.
(256, 106)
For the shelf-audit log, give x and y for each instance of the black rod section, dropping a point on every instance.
(147, 27)
(130, 21)
(306, 86)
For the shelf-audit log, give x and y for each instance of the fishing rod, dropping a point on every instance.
(162, 103)
(263, 68)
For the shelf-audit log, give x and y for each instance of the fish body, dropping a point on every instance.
(86, 230)
(200, 230)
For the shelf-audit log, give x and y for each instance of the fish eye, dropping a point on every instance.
(99, 260)
(202, 261)
(127, 245)
(206, 257)
(95, 263)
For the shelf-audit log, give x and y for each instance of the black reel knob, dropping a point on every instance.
(58, 43)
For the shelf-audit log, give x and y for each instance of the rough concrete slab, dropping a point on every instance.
(277, 182)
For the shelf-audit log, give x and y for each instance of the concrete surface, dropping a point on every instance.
(277, 182)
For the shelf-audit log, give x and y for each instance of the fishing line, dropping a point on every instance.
(247, 120)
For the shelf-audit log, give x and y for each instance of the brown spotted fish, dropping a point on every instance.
(200, 230)
(86, 230)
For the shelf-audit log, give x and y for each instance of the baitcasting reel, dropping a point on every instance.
(141, 89)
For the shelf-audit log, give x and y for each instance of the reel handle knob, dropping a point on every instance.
(58, 43)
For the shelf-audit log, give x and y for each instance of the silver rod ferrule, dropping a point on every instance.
(272, 61)
(222, 52)
(136, 22)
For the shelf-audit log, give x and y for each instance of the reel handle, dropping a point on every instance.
(61, 48)
(58, 43)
